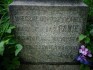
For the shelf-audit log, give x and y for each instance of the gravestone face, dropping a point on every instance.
(48, 32)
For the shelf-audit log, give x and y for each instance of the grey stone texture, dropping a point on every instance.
(48, 32)
(50, 67)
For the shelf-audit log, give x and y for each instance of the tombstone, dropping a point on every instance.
(48, 31)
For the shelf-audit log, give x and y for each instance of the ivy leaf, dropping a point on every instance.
(2, 48)
(81, 37)
(6, 41)
(10, 1)
(87, 40)
(10, 29)
(18, 49)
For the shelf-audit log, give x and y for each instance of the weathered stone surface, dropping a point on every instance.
(48, 32)
(50, 67)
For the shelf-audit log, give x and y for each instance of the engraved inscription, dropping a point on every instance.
(44, 18)
(53, 29)
(49, 34)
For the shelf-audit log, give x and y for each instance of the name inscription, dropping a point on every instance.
(48, 34)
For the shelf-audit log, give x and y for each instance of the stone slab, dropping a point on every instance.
(32, 3)
(49, 67)
(48, 32)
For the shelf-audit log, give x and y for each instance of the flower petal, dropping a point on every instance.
(86, 49)
(82, 46)
(80, 51)
(89, 55)
(85, 53)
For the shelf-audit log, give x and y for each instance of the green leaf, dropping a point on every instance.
(18, 49)
(3, 29)
(2, 48)
(10, 29)
(87, 40)
(81, 37)
(10, 1)
(6, 41)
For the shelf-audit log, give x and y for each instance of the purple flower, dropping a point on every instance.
(89, 54)
(84, 51)
(82, 59)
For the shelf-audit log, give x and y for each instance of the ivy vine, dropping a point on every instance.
(9, 47)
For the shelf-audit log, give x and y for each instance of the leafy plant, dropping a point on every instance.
(9, 47)
(90, 5)
(86, 39)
